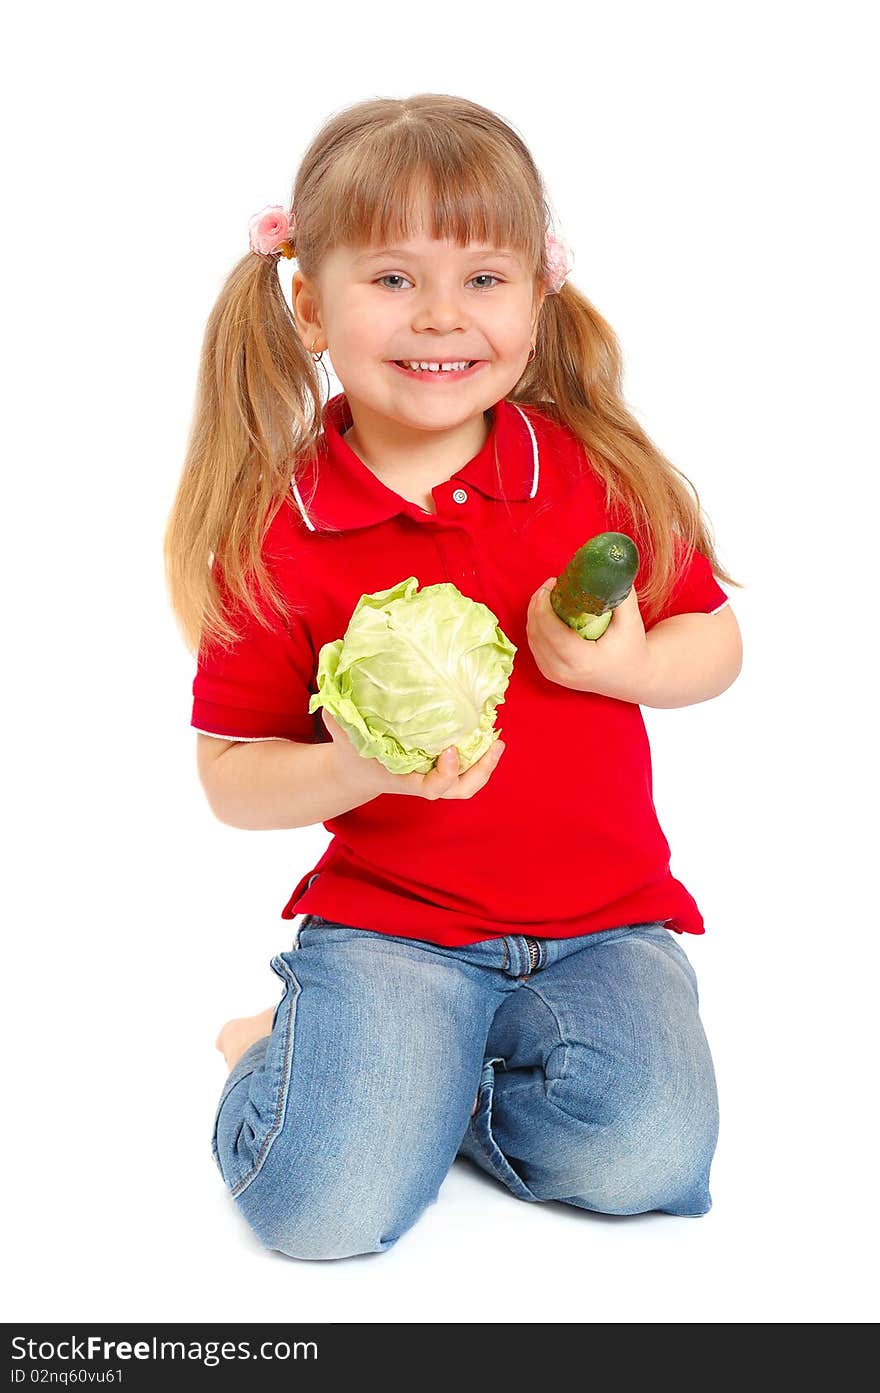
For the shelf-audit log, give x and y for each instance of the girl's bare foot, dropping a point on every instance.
(241, 1032)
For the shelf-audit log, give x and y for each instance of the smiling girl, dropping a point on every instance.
(488, 962)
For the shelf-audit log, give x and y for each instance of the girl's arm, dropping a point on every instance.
(680, 660)
(264, 785)
(692, 657)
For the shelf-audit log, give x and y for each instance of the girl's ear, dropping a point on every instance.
(305, 306)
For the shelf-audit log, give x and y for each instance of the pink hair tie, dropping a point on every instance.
(271, 230)
(560, 260)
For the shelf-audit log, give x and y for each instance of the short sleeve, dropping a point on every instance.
(260, 688)
(694, 590)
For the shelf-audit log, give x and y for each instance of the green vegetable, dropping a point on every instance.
(596, 580)
(416, 671)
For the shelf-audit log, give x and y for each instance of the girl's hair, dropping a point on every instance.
(257, 418)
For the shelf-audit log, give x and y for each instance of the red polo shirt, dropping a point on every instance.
(564, 838)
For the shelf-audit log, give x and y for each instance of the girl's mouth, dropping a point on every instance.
(439, 374)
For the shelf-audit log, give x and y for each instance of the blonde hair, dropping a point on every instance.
(257, 417)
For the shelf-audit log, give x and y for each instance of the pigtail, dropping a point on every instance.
(257, 412)
(576, 378)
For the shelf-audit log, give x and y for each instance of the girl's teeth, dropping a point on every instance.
(435, 367)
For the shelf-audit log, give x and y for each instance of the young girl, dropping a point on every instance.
(509, 931)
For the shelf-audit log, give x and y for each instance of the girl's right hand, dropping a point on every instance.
(443, 781)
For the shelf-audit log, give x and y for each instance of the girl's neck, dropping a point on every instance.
(414, 463)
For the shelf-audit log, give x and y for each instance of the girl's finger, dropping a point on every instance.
(445, 771)
(480, 773)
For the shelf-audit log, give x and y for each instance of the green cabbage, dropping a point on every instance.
(417, 671)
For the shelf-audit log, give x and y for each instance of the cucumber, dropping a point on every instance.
(596, 580)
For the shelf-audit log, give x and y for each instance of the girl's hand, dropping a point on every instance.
(616, 665)
(443, 781)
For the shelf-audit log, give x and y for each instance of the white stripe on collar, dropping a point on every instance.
(299, 503)
(535, 472)
(534, 450)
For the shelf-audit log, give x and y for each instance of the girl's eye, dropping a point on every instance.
(395, 276)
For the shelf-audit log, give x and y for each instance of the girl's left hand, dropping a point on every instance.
(615, 665)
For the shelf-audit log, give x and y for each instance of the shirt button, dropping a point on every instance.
(460, 496)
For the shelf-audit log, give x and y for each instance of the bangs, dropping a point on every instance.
(395, 190)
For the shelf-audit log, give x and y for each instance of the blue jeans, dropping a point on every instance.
(594, 1079)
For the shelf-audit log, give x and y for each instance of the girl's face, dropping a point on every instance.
(424, 300)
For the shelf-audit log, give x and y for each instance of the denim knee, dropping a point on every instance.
(647, 1143)
(639, 1189)
(320, 1221)
(634, 1164)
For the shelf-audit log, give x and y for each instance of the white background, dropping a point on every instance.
(712, 168)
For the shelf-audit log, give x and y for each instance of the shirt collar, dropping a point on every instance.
(338, 492)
